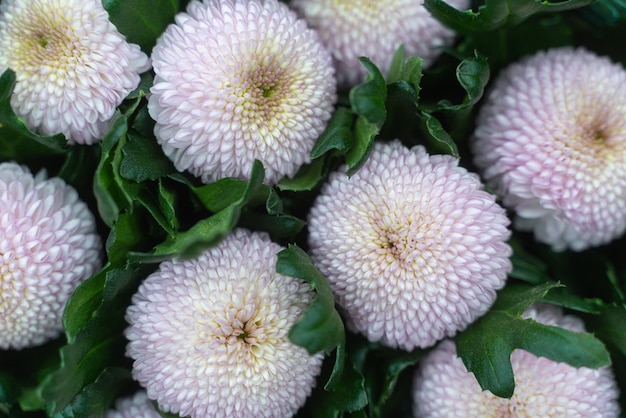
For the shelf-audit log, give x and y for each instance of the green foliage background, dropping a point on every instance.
(148, 212)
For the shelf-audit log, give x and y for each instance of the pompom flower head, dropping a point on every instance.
(551, 139)
(48, 245)
(73, 67)
(136, 406)
(209, 335)
(375, 29)
(413, 248)
(543, 388)
(239, 80)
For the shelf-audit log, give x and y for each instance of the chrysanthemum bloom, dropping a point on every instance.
(413, 248)
(209, 335)
(73, 67)
(239, 80)
(48, 245)
(136, 406)
(375, 29)
(551, 139)
(543, 388)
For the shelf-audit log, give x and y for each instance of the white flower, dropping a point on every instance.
(239, 80)
(136, 406)
(48, 245)
(413, 248)
(209, 335)
(551, 139)
(375, 29)
(73, 67)
(543, 388)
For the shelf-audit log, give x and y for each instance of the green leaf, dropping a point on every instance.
(610, 326)
(210, 231)
(486, 346)
(440, 139)
(526, 266)
(307, 177)
(338, 133)
(405, 75)
(368, 99)
(143, 159)
(495, 14)
(108, 185)
(97, 341)
(142, 21)
(473, 75)
(320, 327)
(11, 126)
(95, 399)
(364, 135)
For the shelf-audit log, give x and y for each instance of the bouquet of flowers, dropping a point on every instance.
(312, 208)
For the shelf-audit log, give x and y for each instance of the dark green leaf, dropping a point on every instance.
(349, 396)
(210, 231)
(485, 347)
(142, 21)
(473, 75)
(143, 159)
(610, 326)
(496, 13)
(108, 185)
(320, 326)
(527, 267)
(99, 342)
(95, 399)
(338, 133)
(440, 139)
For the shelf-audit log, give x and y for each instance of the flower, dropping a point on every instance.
(373, 28)
(412, 247)
(73, 68)
(136, 406)
(239, 80)
(543, 388)
(551, 139)
(209, 335)
(48, 245)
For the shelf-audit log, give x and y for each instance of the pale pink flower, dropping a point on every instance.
(239, 80)
(135, 406)
(375, 29)
(551, 139)
(413, 248)
(443, 387)
(73, 67)
(209, 335)
(48, 245)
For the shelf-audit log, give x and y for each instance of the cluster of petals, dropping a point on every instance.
(543, 388)
(135, 406)
(413, 248)
(239, 80)
(209, 335)
(375, 29)
(551, 139)
(73, 68)
(48, 245)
